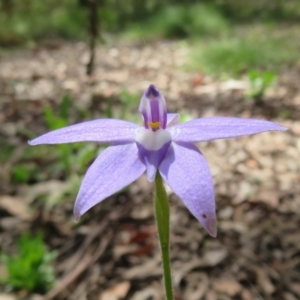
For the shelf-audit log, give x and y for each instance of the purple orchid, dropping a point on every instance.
(163, 144)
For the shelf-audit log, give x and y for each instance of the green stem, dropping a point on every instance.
(162, 211)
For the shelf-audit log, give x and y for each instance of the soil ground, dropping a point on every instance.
(113, 252)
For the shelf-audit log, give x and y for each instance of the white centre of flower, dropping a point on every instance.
(153, 140)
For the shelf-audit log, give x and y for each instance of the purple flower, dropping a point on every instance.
(162, 144)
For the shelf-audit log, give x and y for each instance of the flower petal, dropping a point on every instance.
(153, 108)
(116, 167)
(186, 171)
(206, 129)
(153, 146)
(152, 159)
(172, 119)
(102, 130)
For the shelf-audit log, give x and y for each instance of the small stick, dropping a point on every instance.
(93, 31)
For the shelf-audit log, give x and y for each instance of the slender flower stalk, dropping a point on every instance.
(164, 148)
(162, 212)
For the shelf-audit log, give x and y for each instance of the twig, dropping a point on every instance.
(93, 31)
(89, 259)
(84, 247)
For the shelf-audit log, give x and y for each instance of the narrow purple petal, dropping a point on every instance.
(206, 129)
(102, 130)
(186, 171)
(116, 167)
(172, 119)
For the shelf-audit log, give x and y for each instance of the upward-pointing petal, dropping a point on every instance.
(186, 171)
(116, 167)
(206, 129)
(153, 108)
(102, 130)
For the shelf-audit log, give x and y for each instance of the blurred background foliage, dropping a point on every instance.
(31, 268)
(30, 20)
(225, 37)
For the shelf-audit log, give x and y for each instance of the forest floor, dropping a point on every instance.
(112, 253)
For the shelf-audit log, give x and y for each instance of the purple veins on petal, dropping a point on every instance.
(102, 130)
(186, 171)
(154, 108)
(116, 167)
(206, 129)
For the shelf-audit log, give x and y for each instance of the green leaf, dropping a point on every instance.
(31, 268)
